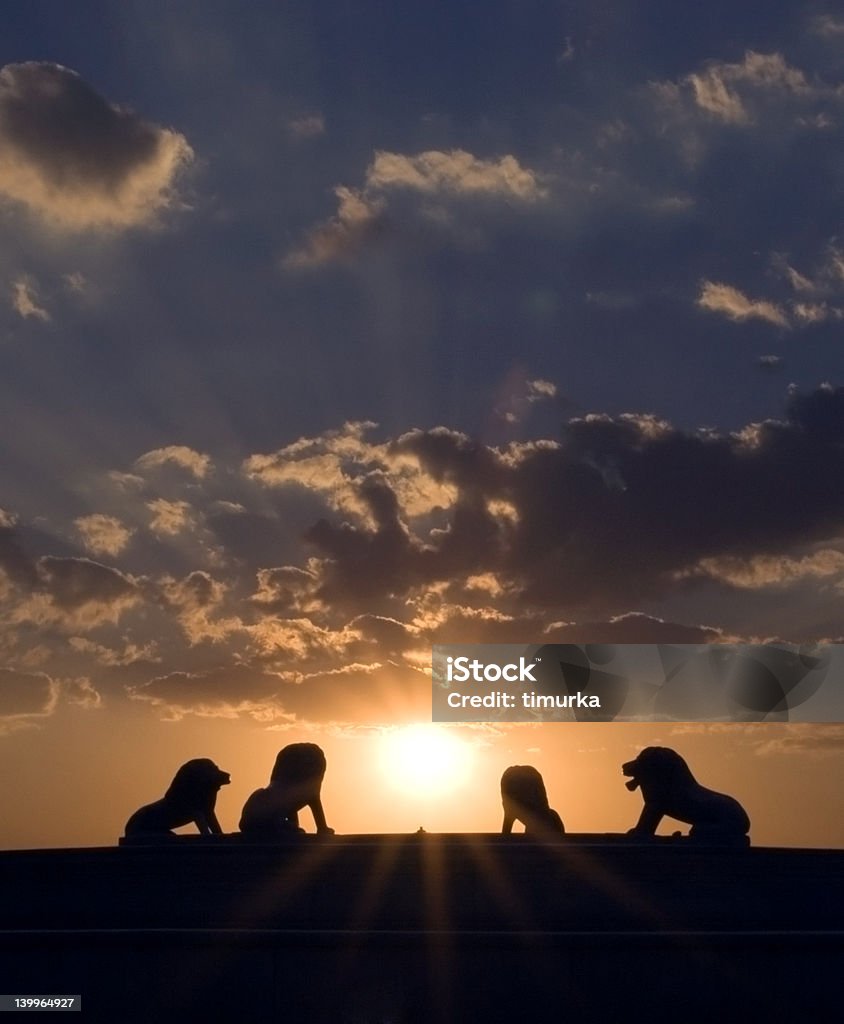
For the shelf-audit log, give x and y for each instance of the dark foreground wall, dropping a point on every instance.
(430, 928)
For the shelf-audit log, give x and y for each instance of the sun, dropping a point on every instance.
(425, 760)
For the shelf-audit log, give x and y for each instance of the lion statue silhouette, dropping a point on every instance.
(192, 797)
(295, 783)
(524, 798)
(669, 788)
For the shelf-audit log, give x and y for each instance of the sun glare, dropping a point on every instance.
(425, 760)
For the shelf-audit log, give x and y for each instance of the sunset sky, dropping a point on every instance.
(330, 331)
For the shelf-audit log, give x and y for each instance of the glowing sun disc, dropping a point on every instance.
(425, 760)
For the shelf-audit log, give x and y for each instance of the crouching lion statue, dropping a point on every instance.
(192, 797)
(669, 788)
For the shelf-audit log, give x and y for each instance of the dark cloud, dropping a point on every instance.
(378, 692)
(223, 692)
(372, 562)
(60, 590)
(77, 159)
(81, 693)
(350, 693)
(197, 590)
(26, 693)
(462, 625)
(283, 590)
(249, 537)
(614, 513)
(390, 635)
(633, 628)
(567, 540)
(14, 560)
(74, 582)
(367, 679)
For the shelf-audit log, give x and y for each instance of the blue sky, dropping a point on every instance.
(330, 331)
(643, 194)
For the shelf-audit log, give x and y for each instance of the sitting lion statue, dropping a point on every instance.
(668, 787)
(524, 798)
(295, 783)
(192, 797)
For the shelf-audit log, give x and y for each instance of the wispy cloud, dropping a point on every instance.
(774, 570)
(455, 171)
(358, 219)
(310, 126)
(102, 534)
(363, 214)
(717, 89)
(827, 25)
(25, 300)
(717, 297)
(177, 455)
(169, 517)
